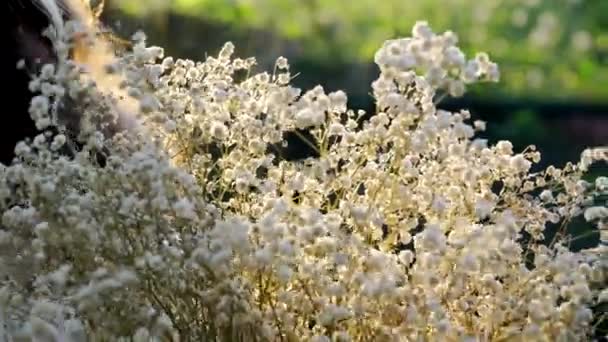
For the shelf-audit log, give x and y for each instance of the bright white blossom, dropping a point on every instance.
(202, 226)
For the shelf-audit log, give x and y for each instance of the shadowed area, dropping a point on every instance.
(21, 38)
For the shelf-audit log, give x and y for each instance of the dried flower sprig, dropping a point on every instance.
(198, 229)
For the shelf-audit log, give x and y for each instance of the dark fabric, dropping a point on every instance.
(21, 26)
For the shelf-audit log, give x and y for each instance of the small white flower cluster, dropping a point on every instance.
(438, 58)
(403, 226)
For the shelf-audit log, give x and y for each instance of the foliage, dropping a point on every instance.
(547, 48)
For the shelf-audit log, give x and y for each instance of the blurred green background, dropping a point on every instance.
(553, 54)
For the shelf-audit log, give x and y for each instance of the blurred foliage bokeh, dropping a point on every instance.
(546, 48)
(552, 54)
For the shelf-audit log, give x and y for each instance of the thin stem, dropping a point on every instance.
(307, 142)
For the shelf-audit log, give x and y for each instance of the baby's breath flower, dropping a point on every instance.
(42, 330)
(200, 225)
(546, 196)
(47, 71)
(22, 149)
(431, 239)
(39, 106)
(422, 30)
(282, 63)
(139, 37)
(227, 51)
(596, 213)
(58, 142)
(483, 208)
(309, 117)
(480, 125)
(520, 164)
(219, 130)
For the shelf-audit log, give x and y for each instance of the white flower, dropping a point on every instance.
(185, 209)
(282, 63)
(47, 72)
(601, 183)
(309, 117)
(406, 257)
(583, 316)
(480, 125)
(39, 106)
(284, 273)
(483, 208)
(492, 72)
(219, 130)
(200, 202)
(422, 30)
(454, 57)
(538, 310)
(443, 326)
(58, 141)
(471, 72)
(170, 126)
(546, 196)
(75, 330)
(469, 263)
(42, 330)
(504, 147)
(338, 101)
(22, 149)
(139, 37)
(431, 239)
(479, 144)
(234, 232)
(360, 213)
(595, 213)
(227, 51)
(148, 103)
(336, 129)
(435, 76)
(439, 204)
(603, 296)
(263, 257)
